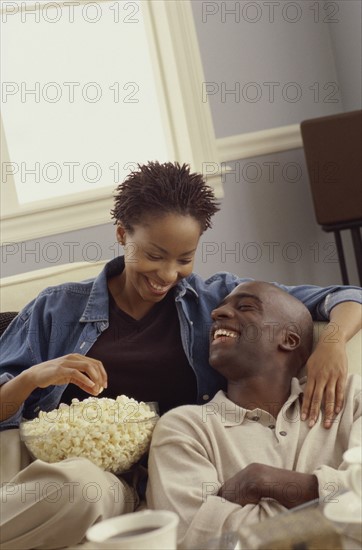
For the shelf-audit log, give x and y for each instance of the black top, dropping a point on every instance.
(144, 359)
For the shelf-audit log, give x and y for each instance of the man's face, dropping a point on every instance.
(246, 331)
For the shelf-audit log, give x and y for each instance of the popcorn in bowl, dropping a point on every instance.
(112, 433)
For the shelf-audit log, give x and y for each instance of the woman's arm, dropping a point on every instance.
(87, 373)
(327, 367)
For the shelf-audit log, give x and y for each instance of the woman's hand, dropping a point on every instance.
(327, 367)
(87, 373)
(327, 370)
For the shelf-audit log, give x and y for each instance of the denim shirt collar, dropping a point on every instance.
(97, 305)
(182, 287)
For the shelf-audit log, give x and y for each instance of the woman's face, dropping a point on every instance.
(158, 254)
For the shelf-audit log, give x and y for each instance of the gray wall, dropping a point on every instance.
(310, 59)
(347, 50)
(278, 69)
(266, 228)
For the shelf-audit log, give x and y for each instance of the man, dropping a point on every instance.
(246, 455)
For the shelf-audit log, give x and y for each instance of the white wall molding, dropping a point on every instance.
(263, 142)
(56, 218)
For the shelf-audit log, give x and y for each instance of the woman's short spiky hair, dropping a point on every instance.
(156, 189)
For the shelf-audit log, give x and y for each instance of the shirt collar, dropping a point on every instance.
(183, 286)
(97, 308)
(233, 415)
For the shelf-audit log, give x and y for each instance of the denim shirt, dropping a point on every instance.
(70, 317)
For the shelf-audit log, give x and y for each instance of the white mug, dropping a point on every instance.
(145, 530)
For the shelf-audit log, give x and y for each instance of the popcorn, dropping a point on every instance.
(111, 433)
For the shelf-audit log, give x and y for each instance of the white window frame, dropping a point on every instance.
(179, 74)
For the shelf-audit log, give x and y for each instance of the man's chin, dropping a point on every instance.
(218, 362)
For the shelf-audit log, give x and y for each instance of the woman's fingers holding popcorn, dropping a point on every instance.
(87, 373)
(93, 371)
(84, 382)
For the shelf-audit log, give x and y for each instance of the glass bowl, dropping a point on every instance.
(113, 434)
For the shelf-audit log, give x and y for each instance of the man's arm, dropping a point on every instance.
(290, 488)
(258, 481)
(335, 478)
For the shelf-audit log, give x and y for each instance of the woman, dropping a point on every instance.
(141, 329)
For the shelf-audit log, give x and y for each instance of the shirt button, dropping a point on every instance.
(271, 426)
(255, 418)
(205, 397)
(283, 433)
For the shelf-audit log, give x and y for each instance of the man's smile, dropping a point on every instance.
(222, 334)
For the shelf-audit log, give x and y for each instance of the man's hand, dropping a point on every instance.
(245, 487)
(258, 481)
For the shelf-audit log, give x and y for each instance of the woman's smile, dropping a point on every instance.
(157, 288)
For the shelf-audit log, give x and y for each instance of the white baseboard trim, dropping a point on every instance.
(264, 142)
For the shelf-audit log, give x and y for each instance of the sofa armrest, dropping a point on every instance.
(18, 290)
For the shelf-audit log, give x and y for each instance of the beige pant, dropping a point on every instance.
(52, 505)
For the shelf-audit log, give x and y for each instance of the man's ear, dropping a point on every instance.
(121, 234)
(290, 341)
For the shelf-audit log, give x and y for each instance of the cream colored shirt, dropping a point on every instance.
(196, 448)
